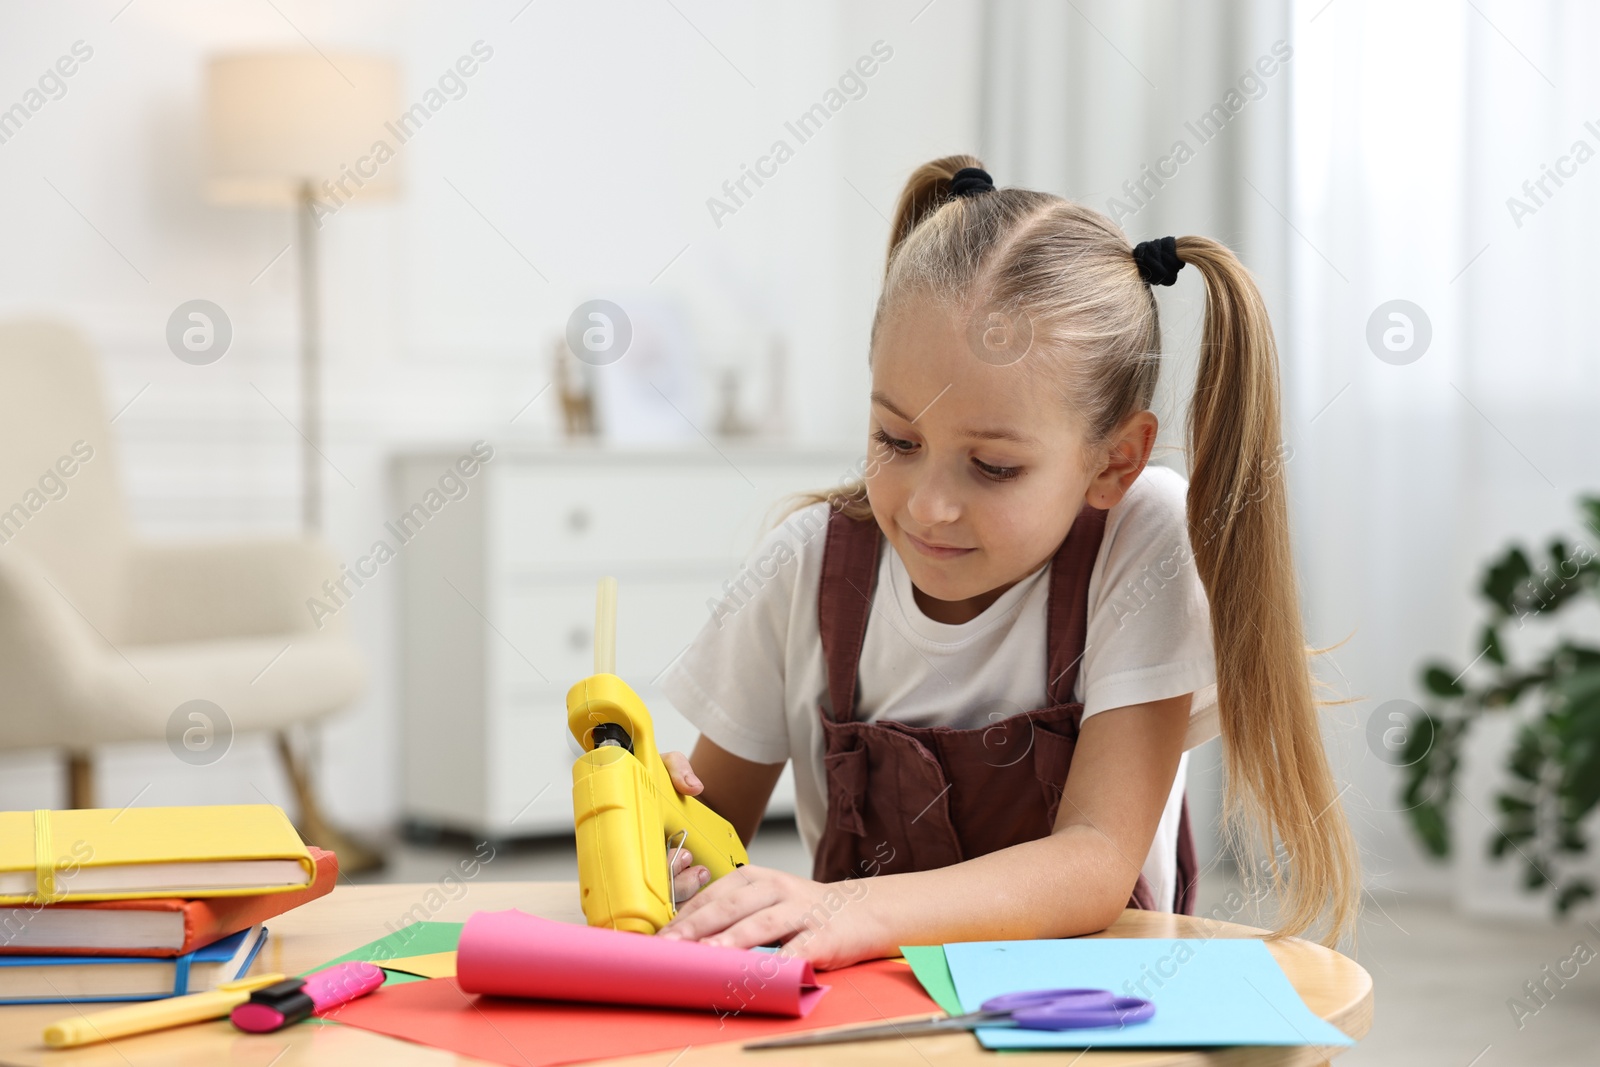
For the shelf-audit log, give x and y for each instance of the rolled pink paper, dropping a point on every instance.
(513, 954)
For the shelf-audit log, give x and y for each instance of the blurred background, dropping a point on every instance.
(373, 332)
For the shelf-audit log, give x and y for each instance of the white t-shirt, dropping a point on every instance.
(754, 678)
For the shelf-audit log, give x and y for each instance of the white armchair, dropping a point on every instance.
(102, 636)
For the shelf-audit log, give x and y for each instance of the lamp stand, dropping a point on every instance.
(313, 826)
(310, 368)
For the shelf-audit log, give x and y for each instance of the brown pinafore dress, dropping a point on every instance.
(909, 798)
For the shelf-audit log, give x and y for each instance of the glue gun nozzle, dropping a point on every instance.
(610, 733)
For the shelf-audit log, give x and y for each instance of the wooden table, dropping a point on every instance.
(1334, 987)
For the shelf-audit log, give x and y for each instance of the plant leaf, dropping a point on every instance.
(1572, 894)
(1428, 819)
(1440, 682)
(1590, 506)
(1533, 877)
(1502, 578)
(1581, 685)
(1513, 805)
(1581, 782)
(1490, 643)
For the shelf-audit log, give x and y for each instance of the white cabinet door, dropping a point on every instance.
(500, 613)
(551, 627)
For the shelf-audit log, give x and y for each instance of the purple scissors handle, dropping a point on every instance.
(1034, 998)
(1039, 1009)
(1070, 1009)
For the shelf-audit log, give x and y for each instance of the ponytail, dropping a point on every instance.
(925, 192)
(1095, 326)
(1279, 781)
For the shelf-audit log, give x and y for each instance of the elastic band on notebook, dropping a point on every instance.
(44, 859)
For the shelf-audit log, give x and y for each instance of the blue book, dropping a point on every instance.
(51, 979)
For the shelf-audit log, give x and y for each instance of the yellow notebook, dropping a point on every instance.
(112, 854)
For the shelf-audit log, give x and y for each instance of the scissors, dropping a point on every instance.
(1038, 1009)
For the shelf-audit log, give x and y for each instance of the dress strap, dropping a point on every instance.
(844, 602)
(1068, 610)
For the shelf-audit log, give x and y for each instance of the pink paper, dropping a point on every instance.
(513, 954)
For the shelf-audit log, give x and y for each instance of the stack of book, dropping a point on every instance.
(143, 903)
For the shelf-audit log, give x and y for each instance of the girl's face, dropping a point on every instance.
(978, 470)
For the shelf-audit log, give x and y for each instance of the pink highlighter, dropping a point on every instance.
(284, 1003)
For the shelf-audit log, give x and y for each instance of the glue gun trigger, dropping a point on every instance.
(672, 865)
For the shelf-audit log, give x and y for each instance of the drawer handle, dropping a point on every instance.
(577, 520)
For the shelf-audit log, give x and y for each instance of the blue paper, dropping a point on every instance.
(1207, 991)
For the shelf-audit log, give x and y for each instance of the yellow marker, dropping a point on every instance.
(155, 1014)
(624, 805)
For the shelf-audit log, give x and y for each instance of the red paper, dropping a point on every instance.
(514, 954)
(533, 1033)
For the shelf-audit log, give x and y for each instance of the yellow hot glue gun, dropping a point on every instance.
(625, 808)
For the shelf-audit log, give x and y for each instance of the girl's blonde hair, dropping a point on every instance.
(1068, 272)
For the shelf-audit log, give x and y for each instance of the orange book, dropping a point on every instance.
(152, 927)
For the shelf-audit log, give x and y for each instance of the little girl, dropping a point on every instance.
(988, 718)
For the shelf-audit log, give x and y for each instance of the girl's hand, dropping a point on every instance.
(686, 878)
(828, 924)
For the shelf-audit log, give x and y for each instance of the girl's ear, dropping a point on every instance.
(1124, 457)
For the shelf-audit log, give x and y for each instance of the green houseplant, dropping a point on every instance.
(1554, 764)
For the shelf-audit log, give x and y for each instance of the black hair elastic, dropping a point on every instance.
(970, 181)
(1158, 260)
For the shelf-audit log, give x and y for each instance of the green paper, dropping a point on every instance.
(928, 964)
(414, 939)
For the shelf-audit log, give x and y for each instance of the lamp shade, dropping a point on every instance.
(277, 121)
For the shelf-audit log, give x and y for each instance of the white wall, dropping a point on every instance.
(589, 142)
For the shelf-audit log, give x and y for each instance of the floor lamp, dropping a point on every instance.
(312, 132)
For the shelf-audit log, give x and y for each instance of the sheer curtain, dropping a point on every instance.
(1374, 165)
(1414, 127)
(1091, 100)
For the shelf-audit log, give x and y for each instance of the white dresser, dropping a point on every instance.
(497, 608)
